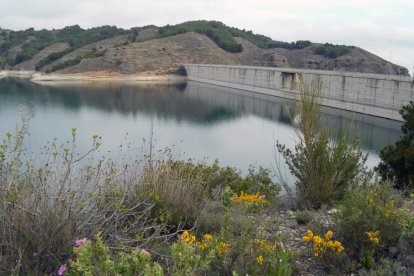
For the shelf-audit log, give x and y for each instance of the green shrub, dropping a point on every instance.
(95, 258)
(74, 35)
(324, 169)
(370, 220)
(251, 254)
(332, 51)
(300, 44)
(385, 267)
(228, 253)
(191, 259)
(216, 31)
(397, 161)
(51, 58)
(181, 189)
(66, 64)
(304, 216)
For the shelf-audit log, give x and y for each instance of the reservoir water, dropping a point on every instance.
(195, 120)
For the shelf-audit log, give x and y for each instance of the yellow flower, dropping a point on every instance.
(247, 198)
(187, 237)
(308, 237)
(208, 237)
(337, 246)
(222, 247)
(329, 235)
(260, 260)
(321, 245)
(374, 236)
(203, 245)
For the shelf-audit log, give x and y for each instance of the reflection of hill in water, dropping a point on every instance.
(192, 102)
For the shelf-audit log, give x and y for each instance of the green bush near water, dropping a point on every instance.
(397, 161)
(324, 169)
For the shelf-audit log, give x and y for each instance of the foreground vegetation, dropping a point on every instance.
(71, 213)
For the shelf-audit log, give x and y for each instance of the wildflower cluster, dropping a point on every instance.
(93, 257)
(262, 247)
(374, 236)
(249, 198)
(387, 210)
(222, 248)
(207, 242)
(322, 245)
(187, 237)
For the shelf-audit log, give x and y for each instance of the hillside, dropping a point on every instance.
(151, 48)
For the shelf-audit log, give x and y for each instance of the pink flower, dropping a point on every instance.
(62, 269)
(80, 242)
(145, 252)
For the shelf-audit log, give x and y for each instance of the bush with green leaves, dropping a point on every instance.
(189, 259)
(181, 189)
(227, 253)
(300, 44)
(370, 220)
(331, 50)
(304, 216)
(93, 257)
(324, 168)
(33, 41)
(216, 31)
(397, 161)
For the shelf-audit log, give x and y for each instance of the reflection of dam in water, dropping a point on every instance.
(190, 102)
(374, 132)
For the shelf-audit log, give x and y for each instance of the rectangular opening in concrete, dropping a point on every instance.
(287, 80)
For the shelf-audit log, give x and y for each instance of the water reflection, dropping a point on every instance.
(208, 121)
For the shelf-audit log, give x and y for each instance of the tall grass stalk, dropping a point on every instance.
(324, 167)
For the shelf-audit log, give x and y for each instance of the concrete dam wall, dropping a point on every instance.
(373, 94)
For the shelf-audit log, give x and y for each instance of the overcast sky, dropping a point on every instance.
(383, 27)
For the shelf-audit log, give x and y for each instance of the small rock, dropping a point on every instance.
(332, 211)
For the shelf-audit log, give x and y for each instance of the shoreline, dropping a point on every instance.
(96, 76)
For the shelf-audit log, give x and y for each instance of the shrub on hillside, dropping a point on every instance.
(397, 161)
(331, 50)
(300, 44)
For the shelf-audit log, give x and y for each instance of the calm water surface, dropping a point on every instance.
(197, 121)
